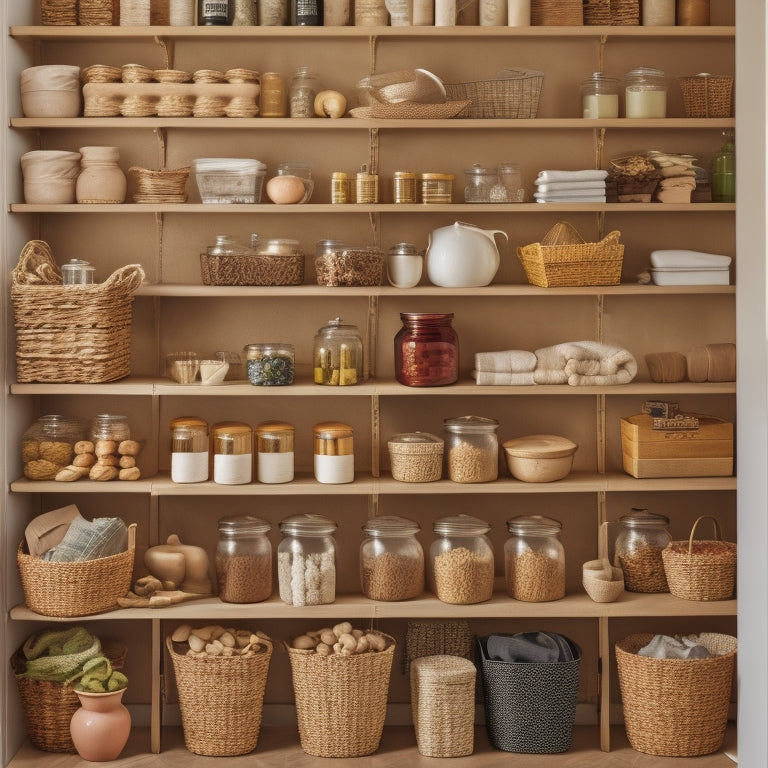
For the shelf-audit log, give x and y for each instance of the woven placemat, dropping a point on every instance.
(409, 111)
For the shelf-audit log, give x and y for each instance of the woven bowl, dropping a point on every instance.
(603, 582)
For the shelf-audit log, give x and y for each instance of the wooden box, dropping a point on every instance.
(704, 451)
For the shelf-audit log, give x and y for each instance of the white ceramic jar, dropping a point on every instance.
(50, 90)
(101, 179)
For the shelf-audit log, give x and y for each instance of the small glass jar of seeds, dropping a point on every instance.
(274, 452)
(270, 364)
(461, 560)
(534, 559)
(641, 538)
(472, 449)
(244, 560)
(391, 559)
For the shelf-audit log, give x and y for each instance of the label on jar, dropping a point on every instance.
(189, 467)
(335, 469)
(214, 12)
(275, 467)
(233, 469)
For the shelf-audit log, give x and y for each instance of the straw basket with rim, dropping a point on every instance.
(676, 707)
(341, 701)
(159, 185)
(701, 569)
(706, 95)
(70, 333)
(513, 93)
(82, 588)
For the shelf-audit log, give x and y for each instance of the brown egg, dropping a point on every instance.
(285, 189)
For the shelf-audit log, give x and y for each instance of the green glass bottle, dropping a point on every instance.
(724, 172)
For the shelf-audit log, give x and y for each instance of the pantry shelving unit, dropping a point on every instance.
(173, 311)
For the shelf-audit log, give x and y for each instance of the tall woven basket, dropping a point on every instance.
(341, 701)
(71, 334)
(221, 700)
(676, 707)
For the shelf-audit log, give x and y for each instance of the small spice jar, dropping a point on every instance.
(642, 537)
(534, 559)
(334, 455)
(404, 187)
(189, 450)
(599, 96)
(404, 265)
(338, 354)
(232, 449)
(48, 446)
(274, 452)
(472, 449)
(77, 272)
(645, 95)
(391, 559)
(306, 560)
(461, 560)
(435, 187)
(478, 183)
(270, 364)
(244, 560)
(416, 457)
(426, 350)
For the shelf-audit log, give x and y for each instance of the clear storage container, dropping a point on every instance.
(110, 426)
(270, 364)
(645, 94)
(600, 96)
(478, 183)
(48, 445)
(304, 87)
(426, 350)
(338, 354)
(232, 448)
(77, 272)
(189, 450)
(472, 449)
(274, 452)
(244, 560)
(334, 455)
(416, 457)
(534, 559)
(641, 538)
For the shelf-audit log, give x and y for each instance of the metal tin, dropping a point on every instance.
(339, 187)
(435, 187)
(404, 187)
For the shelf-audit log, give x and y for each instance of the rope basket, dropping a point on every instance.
(70, 334)
(513, 93)
(341, 701)
(701, 569)
(676, 707)
(58, 12)
(81, 588)
(221, 700)
(612, 12)
(707, 95)
(553, 13)
(159, 186)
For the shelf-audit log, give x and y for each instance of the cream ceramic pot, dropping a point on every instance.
(462, 256)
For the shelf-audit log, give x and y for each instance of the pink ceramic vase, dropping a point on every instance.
(100, 727)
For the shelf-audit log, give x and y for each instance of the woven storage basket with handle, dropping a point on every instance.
(699, 569)
(83, 588)
(72, 334)
(341, 701)
(676, 707)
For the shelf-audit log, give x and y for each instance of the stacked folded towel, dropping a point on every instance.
(586, 186)
(507, 367)
(678, 177)
(584, 363)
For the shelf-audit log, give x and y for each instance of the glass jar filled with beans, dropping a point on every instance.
(472, 449)
(391, 559)
(641, 538)
(534, 559)
(244, 560)
(461, 560)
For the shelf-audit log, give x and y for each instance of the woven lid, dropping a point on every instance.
(540, 446)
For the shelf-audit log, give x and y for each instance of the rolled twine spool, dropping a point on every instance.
(666, 367)
(712, 362)
(693, 13)
(181, 13)
(97, 12)
(134, 13)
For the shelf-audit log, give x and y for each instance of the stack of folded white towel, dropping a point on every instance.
(570, 186)
(507, 367)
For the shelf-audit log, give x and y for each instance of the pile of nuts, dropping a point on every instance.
(103, 460)
(341, 640)
(215, 640)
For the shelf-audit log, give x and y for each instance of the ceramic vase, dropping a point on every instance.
(101, 179)
(101, 726)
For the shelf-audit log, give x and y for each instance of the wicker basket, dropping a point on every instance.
(437, 638)
(707, 95)
(341, 701)
(70, 333)
(350, 267)
(78, 588)
(245, 269)
(553, 13)
(159, 186)
(58, 12)
(612, 12)
(676, 707)
(221, 700)
(513, 93)
(549, 264)
(701, 570)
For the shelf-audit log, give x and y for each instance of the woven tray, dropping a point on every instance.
(707, 95)
(406, 110)
(513, 93)
(159, 185)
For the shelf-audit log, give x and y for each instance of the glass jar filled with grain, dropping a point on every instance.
(534, 559)
(472, 449)
(391, 559)
(244, 560)
(641, 538)
(461, 560)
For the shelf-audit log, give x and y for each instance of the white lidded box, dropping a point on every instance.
(229, 179)
(683, 267)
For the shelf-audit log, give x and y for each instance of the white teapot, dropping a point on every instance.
(462, 256)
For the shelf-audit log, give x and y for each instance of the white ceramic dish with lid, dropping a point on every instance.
(539, 458)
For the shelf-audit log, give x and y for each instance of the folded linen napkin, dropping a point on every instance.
(584, 363)
(505, 361)
(667, 647)
(568, 186)
(532, 647)
(580, 199)
(503, 378)
(585, 175)
(568, 194)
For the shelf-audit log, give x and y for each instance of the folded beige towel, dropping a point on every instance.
(505, 361)
(503, 378)
(584, 363)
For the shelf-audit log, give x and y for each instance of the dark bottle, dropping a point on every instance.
(215, 13)
(306, 13)
(426, 350)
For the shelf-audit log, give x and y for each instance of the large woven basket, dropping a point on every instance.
(676, 707)
(707, 95)
(551, 13)
(611, 12)
(72, 334)
(80, 588)
(221, 700)
(573, 263)
(341, 701)
(513, 93)
(701, 569)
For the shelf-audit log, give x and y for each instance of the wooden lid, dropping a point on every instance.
(540, 446)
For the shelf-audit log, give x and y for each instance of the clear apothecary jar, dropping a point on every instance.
(338, 354)
(306, 560)
(274, 452)
(270, 364)
(645, 94)
(48, 446)
(534, 559)
(244, 560)
(391, 559)
(472, 449)
(334, 452)
(232, 449)
(109, 426)
(642, 537)
(426, 350)
(189, 450)
(461, 565)
(600, 96)
(478, 183)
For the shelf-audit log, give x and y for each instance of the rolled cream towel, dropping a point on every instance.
(505, 361)
(712, 362)
(666, 367)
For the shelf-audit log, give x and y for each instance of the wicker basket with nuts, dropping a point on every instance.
(341, 639)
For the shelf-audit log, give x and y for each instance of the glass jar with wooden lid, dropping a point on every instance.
(189, 450)
(274, 452)
(334, 457)
(232, 448)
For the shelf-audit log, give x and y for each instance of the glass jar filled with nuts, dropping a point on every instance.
(472, 449)
(641, 538)
(244, 560)
(534, 559)
(48, 446)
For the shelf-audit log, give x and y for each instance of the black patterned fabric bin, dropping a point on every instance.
(530, 707)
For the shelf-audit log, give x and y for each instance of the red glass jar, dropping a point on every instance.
(426, 350)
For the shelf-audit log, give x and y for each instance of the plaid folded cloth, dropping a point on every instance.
(86, 540)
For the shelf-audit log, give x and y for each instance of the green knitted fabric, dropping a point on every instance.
(59, 656)
(99, 677)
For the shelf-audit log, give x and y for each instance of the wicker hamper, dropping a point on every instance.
(529, 706)
(341, 701)
(70, 334)
(676, 707)
(221, 700)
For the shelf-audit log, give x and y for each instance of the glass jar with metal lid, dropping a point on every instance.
(110, 426)
(244, 560)
(642, 537)
(416, 457)
(189, 450)
(472, 449)
(338, 354)
(534, 559)
(274, 452)
(645, 95)
(599, 96)
(426, 350)
(478, 183)
(391, 559)
(334, 455)
(232, 448)
(270, 364)
(435, 187)
(306, 560)
(461, 560)
(48, 446)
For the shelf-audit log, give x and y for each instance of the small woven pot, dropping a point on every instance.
(603, 582)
